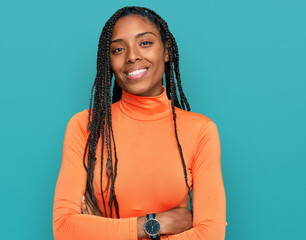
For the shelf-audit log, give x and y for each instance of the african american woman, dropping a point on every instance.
(134, 160)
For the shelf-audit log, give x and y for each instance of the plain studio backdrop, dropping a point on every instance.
(243, 64)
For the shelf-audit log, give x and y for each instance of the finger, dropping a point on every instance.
(89, 209)
(84, 206)
(88, 206)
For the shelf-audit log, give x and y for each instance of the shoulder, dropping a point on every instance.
(196, 120)
(80, 117)
(78, 122)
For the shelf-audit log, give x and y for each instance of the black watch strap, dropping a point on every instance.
(151, 215)
(155, 237)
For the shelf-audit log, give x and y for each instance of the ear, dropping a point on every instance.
(166, 53)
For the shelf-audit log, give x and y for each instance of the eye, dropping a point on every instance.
(117, 50)
(145, 43)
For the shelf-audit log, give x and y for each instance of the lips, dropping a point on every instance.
(136, 73)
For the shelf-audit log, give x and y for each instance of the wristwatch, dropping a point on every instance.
(152, 226)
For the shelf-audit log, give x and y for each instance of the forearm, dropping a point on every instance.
(140, 228)
(174, 221)
(70, 224)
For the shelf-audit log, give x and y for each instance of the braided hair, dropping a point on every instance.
(100, 118)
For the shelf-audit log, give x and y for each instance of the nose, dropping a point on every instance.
(132, 55)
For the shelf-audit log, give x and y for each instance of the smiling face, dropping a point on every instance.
(137, 56)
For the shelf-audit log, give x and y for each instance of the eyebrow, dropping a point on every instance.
(137, 36)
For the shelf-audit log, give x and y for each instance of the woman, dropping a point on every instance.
(139, 156)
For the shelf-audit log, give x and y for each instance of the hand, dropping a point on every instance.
(88, 206)
(175, 221)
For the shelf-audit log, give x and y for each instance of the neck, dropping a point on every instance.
(145, 108)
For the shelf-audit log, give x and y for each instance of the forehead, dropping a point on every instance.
(131, 25)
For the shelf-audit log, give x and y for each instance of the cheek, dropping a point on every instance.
(156, 58)
(116, 63)
(113, 64)
(160, 64)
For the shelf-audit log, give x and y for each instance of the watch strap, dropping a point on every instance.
(151, 216)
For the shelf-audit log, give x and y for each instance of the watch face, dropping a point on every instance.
(152, 227)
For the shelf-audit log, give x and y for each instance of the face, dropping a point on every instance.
(137, 56)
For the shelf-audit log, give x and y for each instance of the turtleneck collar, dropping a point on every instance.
(145, 108)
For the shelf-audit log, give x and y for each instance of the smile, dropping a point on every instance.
(137, 74)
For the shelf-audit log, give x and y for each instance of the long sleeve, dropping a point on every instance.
(68, 222)
(209, 202)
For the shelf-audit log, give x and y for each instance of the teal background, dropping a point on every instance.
(242, 64)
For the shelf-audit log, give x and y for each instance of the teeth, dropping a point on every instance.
(134, 73)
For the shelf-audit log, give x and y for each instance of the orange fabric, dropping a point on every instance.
(150, 176)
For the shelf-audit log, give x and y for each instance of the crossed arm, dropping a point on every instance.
(174, 221)
(208, 220)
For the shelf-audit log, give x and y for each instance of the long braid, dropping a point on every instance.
(184, 102)
(100, 67)
(109, 118)
(173, 94)
(100, 119)
(174, 60)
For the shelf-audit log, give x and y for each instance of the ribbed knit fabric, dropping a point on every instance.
(150, 176)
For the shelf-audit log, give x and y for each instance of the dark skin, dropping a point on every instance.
(136, 44)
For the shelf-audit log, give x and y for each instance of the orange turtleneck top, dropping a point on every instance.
(150, 176)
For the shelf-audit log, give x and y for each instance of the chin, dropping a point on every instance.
(137, 89)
